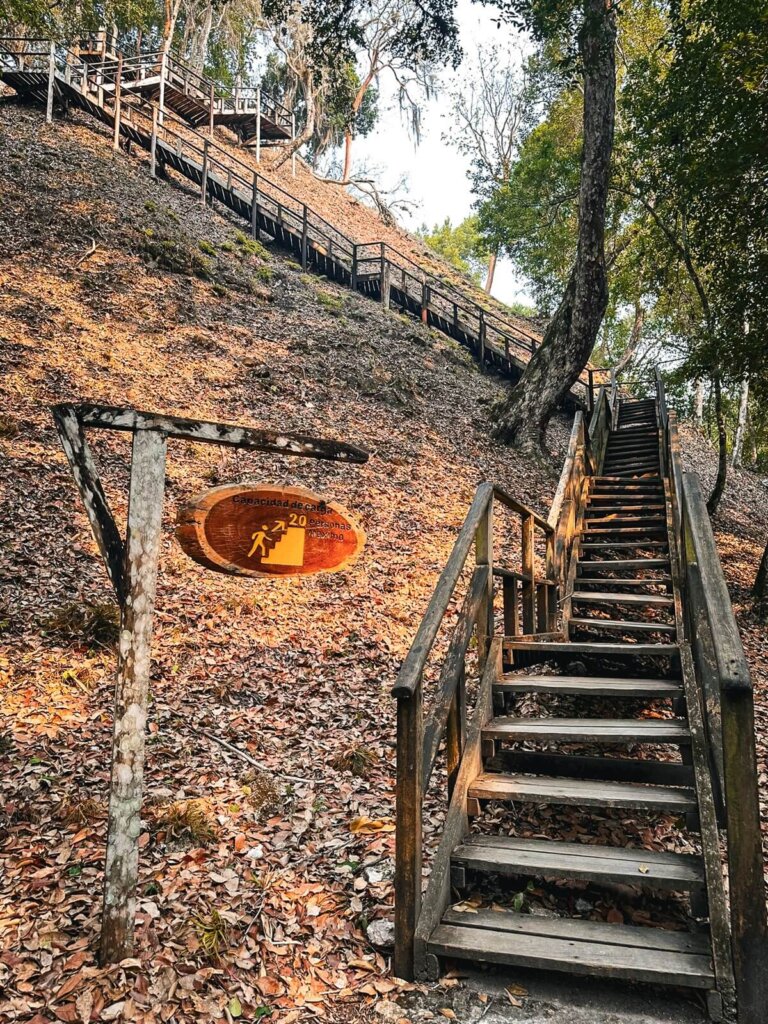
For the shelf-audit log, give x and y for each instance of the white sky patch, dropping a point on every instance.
(436, 173)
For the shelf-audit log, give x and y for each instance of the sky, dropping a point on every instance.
(436, 173)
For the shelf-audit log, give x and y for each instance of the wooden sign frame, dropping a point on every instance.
(132, 568)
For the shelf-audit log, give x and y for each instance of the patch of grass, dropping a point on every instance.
(220, 290)
(189, 820)
(212, 934)
(261, 791)
(357, 759)
(227, 247)
(251, 246)
(96, 623)
(207, 247)
(264, 274)
(174, 255)
(9, 427)
(330, 302)
(150, 206)
(82, 812)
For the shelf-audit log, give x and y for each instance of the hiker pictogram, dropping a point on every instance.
(278, 543)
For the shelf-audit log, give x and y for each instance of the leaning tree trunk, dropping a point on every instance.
(633, 341)
(309, 127)
(571, 335)
(698, 410)
(722, 447)
(741, 427)
(760, 588)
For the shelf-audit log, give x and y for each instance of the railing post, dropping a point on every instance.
(456, 317)
(255, 206)
(749, 932)
(408, 828)
(384, 285)
(161, 99)
(304, 238)
(293, 137)
(258, 125)
(424, 302)
(204, 175)
(481, 339)
(529, 580)
(212, 101)
(591, 395)
(455, 732)
(118, 104)
(551, 567)
(153, 145)
(51, 82)
(484, 556)
(353, 280)
(511, 605)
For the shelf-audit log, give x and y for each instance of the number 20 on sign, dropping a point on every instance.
(268, 531)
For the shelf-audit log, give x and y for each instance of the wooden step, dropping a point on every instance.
(542, 858)
(516, 761)
(576, 947)
(604, 545)
(617, 581)
(548, 648)
(590, 530)
(607, 478)
(621, 626)
(588, 730)
(610, 597)
(583, 793)
(589, 686)
(613, 565)
(627, 510)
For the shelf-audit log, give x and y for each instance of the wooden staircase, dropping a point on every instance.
(123, 92)
(590, 726)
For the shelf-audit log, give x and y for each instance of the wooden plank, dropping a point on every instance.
(623, 545)
(117, 418)
(620, 581)
(408, 827)
(607, 565)
(624, 626)
(601, 769)
(631, 936)
(572, 957)
(509, 855)
(634, 650)
(529, 568)
(594, 730)
(597, 597)
(582, 793)
(593, 686)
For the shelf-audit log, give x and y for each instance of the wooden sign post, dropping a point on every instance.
(132, 567)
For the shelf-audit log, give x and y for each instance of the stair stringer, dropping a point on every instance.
(437, 897)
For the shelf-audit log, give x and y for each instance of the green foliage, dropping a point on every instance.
(462, 246)
(207, 247)
(250, 246)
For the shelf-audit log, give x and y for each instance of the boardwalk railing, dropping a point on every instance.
(420, 731)
(727, 701)
(375, 268)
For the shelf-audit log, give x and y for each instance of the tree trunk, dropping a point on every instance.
(634, 339)
(699, 404)
(571, 335)
(309, 127)
(347, 155)
(722, 444)
(491, 271)
(738, 442)
(760, 589)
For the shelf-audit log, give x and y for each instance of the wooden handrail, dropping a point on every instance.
(413, 666)
(517, 506)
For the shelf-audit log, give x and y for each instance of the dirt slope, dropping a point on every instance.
(278, 875)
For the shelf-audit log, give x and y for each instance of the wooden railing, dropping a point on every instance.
(726, 698)
(528, 601)
(497, 340)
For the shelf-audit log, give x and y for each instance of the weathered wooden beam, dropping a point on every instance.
(529, 569)
(118, 418)
(73, 441)
(142, 551)
(413, 664)
(409, 797)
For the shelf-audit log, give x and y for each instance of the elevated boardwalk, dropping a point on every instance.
(124, 93)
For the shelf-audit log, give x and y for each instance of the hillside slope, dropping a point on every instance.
(277, 867)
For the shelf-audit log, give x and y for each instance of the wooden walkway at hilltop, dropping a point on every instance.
(159, 105)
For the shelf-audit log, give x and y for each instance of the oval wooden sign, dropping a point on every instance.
(268, 531)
